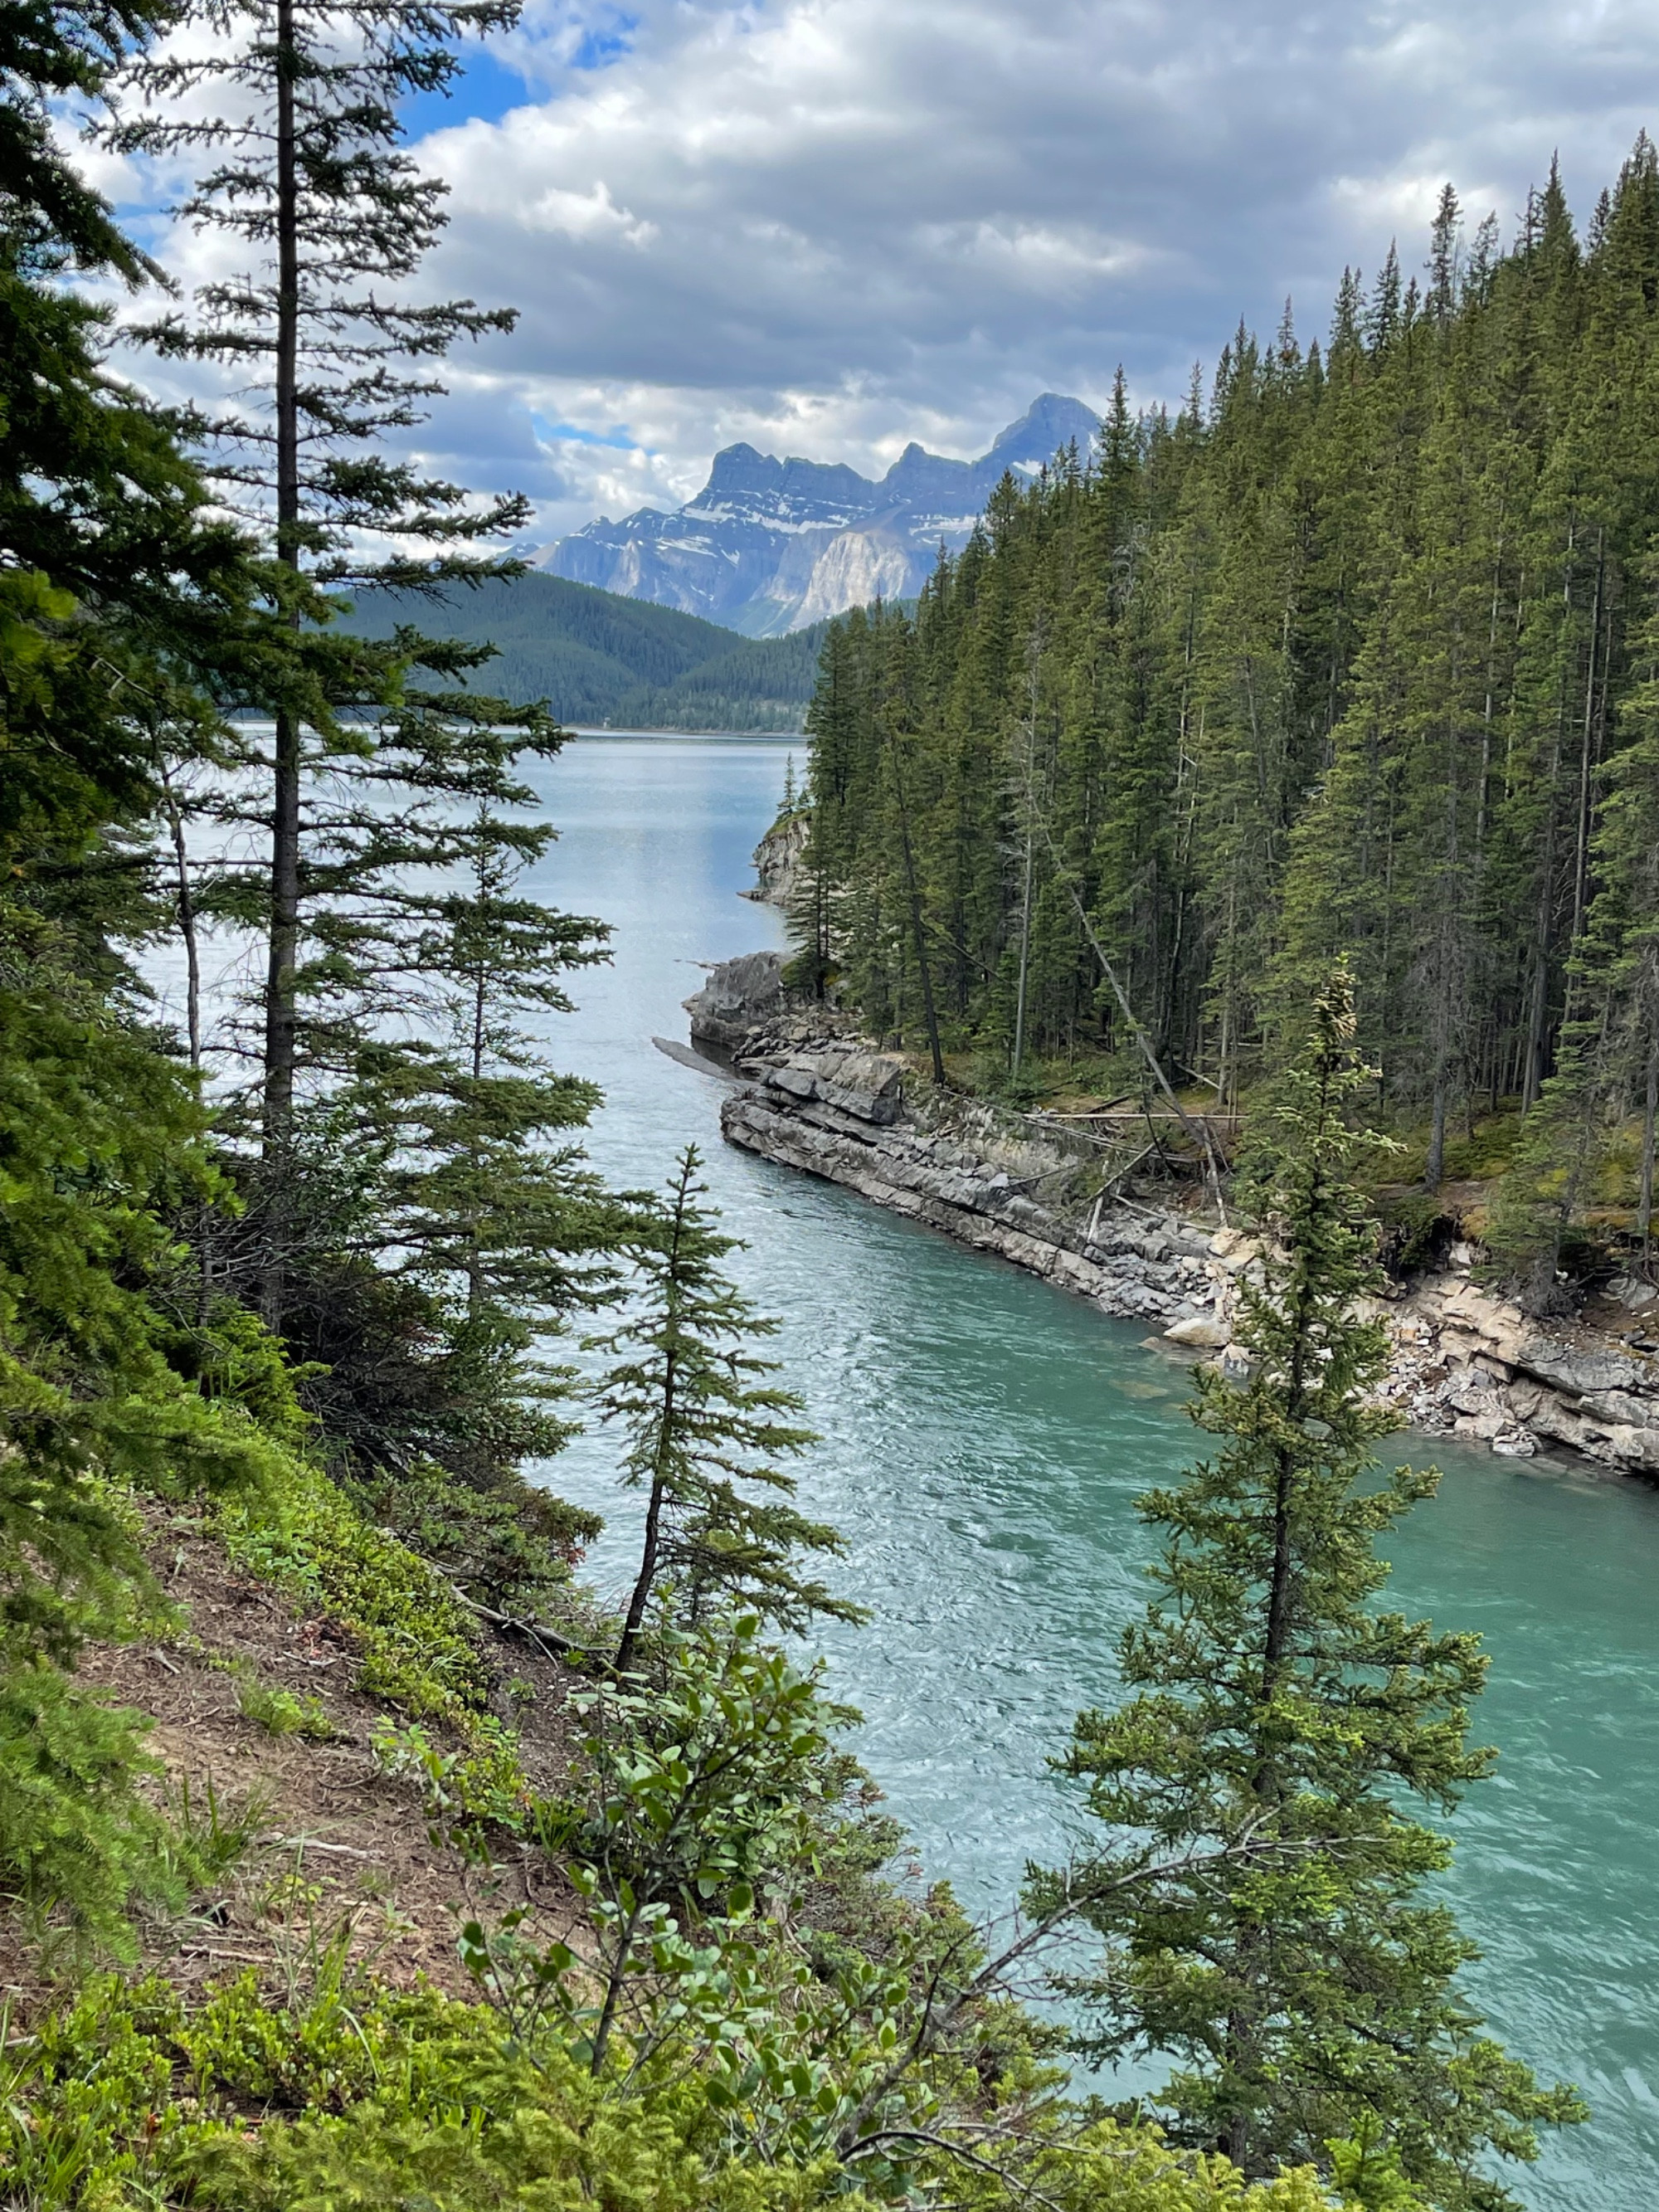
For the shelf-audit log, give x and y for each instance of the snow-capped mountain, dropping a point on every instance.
(769, 545)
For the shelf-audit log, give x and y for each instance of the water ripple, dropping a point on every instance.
(984, 1437)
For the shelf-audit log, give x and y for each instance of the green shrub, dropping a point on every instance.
(418, 1642)
(512, 1547)
(465, 1795)
(362, 2099)
(282, 1712)
(78, 1843)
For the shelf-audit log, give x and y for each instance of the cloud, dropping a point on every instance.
(830, 225)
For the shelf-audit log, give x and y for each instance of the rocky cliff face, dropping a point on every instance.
(815, 1096)
(776, 858)
(769, 546)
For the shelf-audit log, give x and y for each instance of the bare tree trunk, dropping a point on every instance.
(918, 923)
(281, 993)
(1024, 953)
(1650, 1113)
(1030, 858)
(1434, 1167)
(1532, 1072)
(186, 909)
(651, 1547)
(659, 1473)
(1198, 1132)
(1586, 759)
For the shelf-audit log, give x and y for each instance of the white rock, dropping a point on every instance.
(1202, 1332)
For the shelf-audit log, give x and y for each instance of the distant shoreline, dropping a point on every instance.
(745, 736)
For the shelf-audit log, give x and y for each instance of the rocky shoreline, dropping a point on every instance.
(810, 1094)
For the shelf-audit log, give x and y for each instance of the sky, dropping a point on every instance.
(829, 227)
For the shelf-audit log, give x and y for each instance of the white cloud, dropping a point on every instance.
(828, 225)
(591, 215)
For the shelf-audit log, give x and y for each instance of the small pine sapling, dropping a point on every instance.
(703, 1427)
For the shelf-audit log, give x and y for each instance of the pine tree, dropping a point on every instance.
(815, 917)
(297, 106)
(703, 1427)
(1347, 659)
(112, 606)
(1273, 1711)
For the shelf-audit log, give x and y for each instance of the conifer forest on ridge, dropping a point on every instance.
(1357, 653)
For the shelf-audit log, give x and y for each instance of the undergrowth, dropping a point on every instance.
(356, 2098)
(419, 1645)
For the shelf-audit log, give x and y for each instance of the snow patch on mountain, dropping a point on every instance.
(769, 546)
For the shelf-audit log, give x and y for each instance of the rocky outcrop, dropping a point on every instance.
(1469, 1365)
(777, 856)
(813, 1094)
(739, 996)
(818, 1097)
(1474, 1364)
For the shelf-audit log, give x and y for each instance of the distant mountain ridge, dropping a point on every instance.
(770, 546)
(598, 658)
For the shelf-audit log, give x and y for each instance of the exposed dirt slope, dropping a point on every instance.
(336, 1839)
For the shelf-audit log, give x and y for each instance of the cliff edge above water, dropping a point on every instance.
(811, 1093)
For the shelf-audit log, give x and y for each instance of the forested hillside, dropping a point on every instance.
(1357, 654)
(595, 656)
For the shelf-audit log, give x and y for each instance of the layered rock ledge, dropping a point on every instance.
(811, 1094)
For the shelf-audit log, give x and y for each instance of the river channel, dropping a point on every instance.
(983, 1438)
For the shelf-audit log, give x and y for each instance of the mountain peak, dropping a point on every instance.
(769, 545)
(1049, 423)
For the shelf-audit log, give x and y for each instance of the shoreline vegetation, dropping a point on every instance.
(1052, 1195)
(350, 1855)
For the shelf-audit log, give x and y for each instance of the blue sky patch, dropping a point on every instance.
(568, 434)
(489, 87)
(485, 89)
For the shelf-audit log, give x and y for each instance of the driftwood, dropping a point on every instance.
(549, 1641)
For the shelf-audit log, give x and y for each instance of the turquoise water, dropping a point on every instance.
(983, 1438)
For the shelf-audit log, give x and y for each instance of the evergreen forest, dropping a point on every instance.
(1355, 653)
(595, 657)
(352, 1854)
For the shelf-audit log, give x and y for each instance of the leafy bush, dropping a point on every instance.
(363, 2099)
(466, 1795)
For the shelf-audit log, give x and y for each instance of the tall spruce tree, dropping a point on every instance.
(415, 1214)
(703, 1427)
(296, 106)
(1312, 1999)
(119, 593)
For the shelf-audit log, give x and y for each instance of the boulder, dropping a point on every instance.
(1202, 1333)
(737, 997)
(870, 1085)
(1584, 1373)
